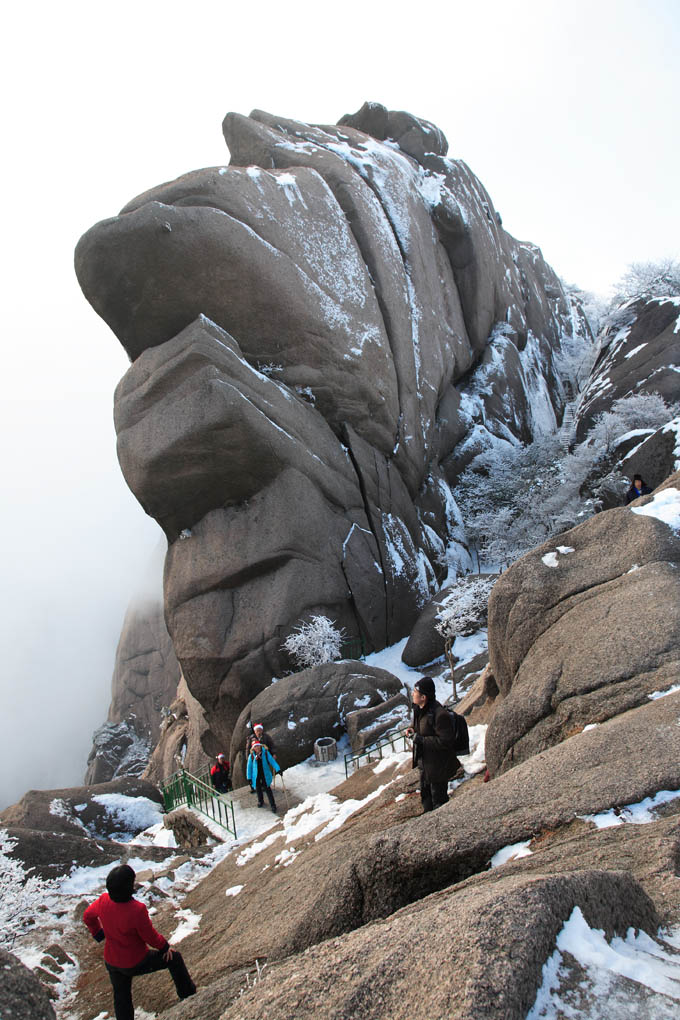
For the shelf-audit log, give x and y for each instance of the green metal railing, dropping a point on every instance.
(353, 648)
(197, 792)
(375, 751)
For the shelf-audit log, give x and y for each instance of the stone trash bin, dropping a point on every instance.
(325, 749)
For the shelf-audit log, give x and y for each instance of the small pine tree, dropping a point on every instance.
(315, 642)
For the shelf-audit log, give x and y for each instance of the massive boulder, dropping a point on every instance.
(314, 330)
(581, 629)
(300, 708)
(145, 678)
(639, 353)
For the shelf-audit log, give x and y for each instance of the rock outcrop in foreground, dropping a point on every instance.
(322, 333)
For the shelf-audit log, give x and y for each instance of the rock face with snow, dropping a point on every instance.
(22, 996)
(54, 830)
(639, 353)
(316, 702)
(581, 629)
(145, 678)
(321, 333)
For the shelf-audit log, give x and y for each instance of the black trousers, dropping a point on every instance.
(121, 979)
(433, 795)
(261, 788)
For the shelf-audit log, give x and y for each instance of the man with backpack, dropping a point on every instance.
(434, 744)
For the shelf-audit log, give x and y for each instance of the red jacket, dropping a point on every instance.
(127, 928)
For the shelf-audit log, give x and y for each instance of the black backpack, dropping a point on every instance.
(460, 726)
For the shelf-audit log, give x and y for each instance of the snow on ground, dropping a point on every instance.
(475, 761)
(511, 853)
(665, 506)
(663, 694)
(188, 923)
(464, 649)
(390, 659)
(130, 814)
(653, 965)
(637, 814)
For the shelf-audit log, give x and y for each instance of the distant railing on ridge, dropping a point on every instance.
(375, 751)
(198, 793)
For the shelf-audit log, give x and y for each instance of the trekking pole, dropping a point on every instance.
(280, 775)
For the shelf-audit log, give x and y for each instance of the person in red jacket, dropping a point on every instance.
(125, 927)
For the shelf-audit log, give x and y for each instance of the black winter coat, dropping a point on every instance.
(436, 754)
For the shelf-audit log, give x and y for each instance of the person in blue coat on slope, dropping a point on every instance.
(261, 769)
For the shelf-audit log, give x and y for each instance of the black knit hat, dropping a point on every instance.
(120, 883)
(426, 686)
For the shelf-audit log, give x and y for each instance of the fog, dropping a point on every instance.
(567, 113)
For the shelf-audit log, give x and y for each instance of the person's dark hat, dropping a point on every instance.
(426, 686)
(120, 883)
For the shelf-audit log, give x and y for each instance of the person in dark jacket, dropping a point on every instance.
(258, 735)
(220, 774)
(260, 771)
(434, 741)
(638, 488)
(123, 924)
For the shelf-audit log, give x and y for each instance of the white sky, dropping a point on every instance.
(568, 113)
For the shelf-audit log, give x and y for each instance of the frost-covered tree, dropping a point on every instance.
(22, 896)
(461, 613)
(649, 280)
(514, 497)
(634, 411)
(315, 642)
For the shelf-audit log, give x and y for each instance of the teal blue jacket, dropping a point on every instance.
(269, 766)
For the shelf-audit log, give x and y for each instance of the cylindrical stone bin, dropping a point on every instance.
(325, 749)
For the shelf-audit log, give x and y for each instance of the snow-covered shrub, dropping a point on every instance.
(315, 642)
(21, 895)
(634, 411)
(462, 610)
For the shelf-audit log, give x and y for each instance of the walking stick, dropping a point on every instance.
(280, 775)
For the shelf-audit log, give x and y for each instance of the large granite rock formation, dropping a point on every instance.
(639, 353)
(581, 629)
(316, 330)
(144, 684)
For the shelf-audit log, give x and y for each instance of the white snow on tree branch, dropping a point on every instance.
(461, 610)
(22, 896)
(315, 642)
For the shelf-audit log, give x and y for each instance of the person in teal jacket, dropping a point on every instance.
(261, 769)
